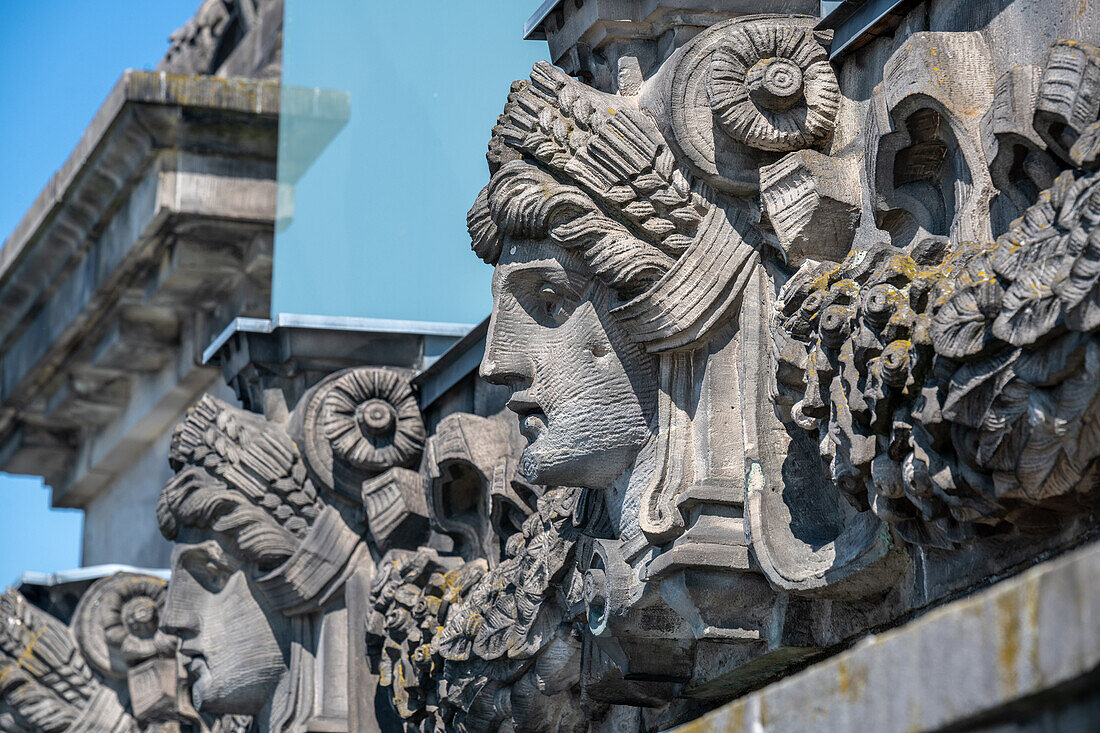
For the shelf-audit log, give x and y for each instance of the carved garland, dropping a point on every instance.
(953, 392)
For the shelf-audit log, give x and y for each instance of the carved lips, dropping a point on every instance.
(532, 419)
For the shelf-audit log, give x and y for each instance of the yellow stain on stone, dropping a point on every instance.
(730, 719)
(1031, 608)
(25, 655)
(1008, 630)
(851, 681)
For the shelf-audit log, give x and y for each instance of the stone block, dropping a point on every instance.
(812, 202)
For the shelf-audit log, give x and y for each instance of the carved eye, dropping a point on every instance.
(216, 574)
(209, 573)
(551, 305)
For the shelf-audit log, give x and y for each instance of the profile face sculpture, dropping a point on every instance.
(759, 367)
(270, 566)
(583, 391)
(701, 303)
(233, 667)
(236, 645)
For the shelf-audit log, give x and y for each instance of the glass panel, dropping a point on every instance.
(387, 110)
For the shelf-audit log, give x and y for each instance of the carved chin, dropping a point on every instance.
(553, 463)
(236, 695)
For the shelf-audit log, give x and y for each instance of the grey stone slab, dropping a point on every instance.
(957, 663)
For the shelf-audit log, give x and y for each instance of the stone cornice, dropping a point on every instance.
(239, 96)
(156, 231)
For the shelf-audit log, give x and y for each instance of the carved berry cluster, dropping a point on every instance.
(955, 393)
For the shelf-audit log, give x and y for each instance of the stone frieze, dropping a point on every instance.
(793, 353)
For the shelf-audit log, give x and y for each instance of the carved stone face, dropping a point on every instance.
(234, 643)
(583, 391)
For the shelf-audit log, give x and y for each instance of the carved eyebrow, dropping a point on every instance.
(205, 550)
(551, 270)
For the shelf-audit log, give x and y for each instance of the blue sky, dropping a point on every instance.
(61, 58)
(388, 199)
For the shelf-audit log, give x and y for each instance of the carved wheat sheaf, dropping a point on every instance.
(45, 682)
(259, 461)
(612, 151)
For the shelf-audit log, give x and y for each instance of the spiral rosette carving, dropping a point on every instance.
(372, 420)
(116, 622)
(770, 86)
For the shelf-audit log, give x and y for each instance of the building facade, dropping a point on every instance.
(785, 417)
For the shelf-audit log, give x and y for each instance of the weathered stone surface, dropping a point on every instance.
(397, 512)
(275, 551)
(229, 38)
(813, 205)
(783, 370)
(107, 671)
(788, 429)
(966, 662)
(617, 43)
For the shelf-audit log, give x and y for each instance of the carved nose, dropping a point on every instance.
(505, 362)
(178, 618)
(496, 371)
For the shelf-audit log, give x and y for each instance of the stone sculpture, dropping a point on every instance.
(791, 357)
(229, 38)
(107, 671)
(270, 572)
(777, 390)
